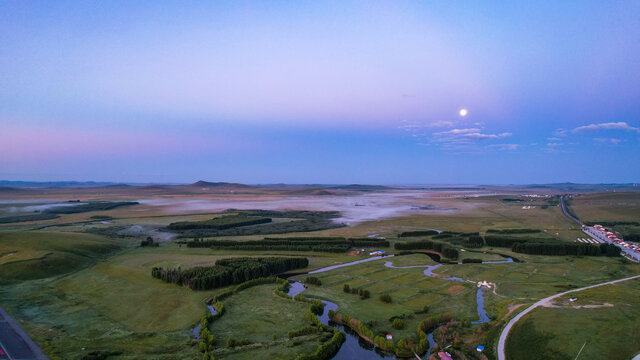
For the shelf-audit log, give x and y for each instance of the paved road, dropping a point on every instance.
(505, 331)
(566, 213)
(15, 344)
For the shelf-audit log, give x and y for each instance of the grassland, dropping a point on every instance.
(474, 214)
(607, 206)
(258, 315)
(410, 290)
(608, 330)
(37, 255)
(98, 294)
(84, 309)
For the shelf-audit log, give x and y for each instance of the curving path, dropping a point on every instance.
(547, 300)
(15, 343)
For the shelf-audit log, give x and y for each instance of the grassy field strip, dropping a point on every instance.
(547, 300)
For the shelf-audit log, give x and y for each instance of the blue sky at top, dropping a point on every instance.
(320, 92)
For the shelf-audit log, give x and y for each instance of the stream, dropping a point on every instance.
(355, 347)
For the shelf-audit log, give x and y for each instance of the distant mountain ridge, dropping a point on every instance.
(207, 184)
(33, 184)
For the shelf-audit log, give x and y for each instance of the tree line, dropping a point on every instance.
(219, 223)
(566, 249)
(445, 249)
(507, 241)
(417, 233)
(513, 231)
(92, 206)
(327, 244)
(228, 271)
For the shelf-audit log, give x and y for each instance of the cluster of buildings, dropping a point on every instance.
(601, 234)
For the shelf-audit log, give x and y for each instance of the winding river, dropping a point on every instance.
(355, 347)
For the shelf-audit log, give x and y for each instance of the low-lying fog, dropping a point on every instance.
(29, 206)
(354, 209)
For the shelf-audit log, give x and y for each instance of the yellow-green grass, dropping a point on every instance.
(35, 255)
(474, 214)
(116, 304)
(260, 316)
(610, 332)
(538, 277)
(410, 290)
(607, 206)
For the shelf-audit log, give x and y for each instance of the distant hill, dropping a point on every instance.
(359, 187)
(48, 184)
(9, 190)
(315, 192)
(207, 184)
(570, 187)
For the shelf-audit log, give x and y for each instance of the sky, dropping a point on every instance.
(320, 91)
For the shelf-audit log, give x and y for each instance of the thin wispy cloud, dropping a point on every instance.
(560, 132)
(504, 147)
(606, 126)
(613, 141)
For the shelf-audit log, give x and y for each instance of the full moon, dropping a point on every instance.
(463, 112)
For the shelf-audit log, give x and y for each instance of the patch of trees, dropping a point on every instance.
(306, 221)
(327, 349)
(364, 294)
(469, 239)
(316, 306)
(508, 241)
(148, 242)
(417, 233)
(445, 249)
(321, 244)
(474, 241)
(398, 324)
(512, 200)
(446, 234)
(284, 244)
(312, 280)
(27, 217)
(635, 237)
(231, 342)
(386, 298)
(304, 331)
(220, 223)
(430, 323)
(566, 249)
(471, 261)
(206, 341)
(513, 231)
(228, 271)
(92, 206)
(368, 242)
